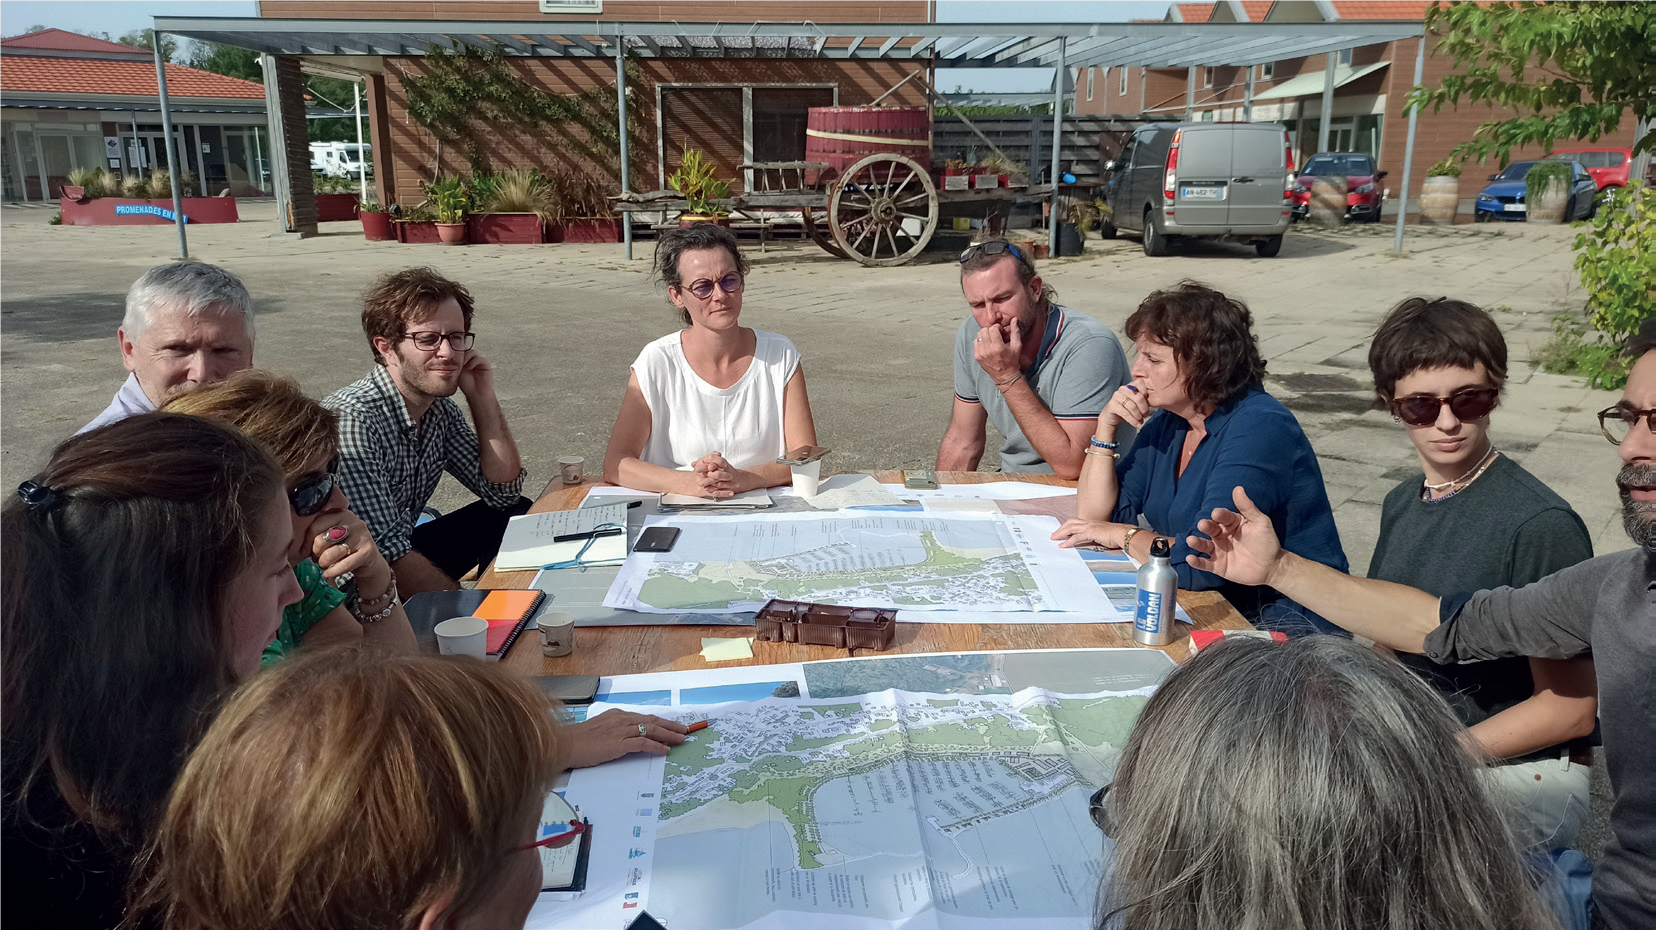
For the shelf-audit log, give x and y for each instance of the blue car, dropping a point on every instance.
(1503, 199)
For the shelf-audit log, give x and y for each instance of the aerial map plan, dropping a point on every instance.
(891, 809)
(909, 561)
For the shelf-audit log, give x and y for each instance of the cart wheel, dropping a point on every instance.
(883, 210)
(817, 228)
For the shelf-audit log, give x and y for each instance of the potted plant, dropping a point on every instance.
(417, 226)
(449, 200)
(336, 199)
(992, 171)
(513, 208)
(583, 207)
(695, 179)
(376, 223)
(93, 197)
(956, 175)
(1440, 195)
(1547, 192)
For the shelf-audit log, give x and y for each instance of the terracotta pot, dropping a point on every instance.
(505, 229)
(376, 227)
(451, 233)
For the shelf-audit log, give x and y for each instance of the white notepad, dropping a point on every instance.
(528, 541)
(756, 498)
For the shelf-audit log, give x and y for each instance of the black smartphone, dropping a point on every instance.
(570, 689)
(657, 539)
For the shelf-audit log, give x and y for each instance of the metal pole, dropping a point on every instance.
(172, 150)
(1190, 92)
(1408, 148)
(1057, 143)
(1247, 95)
(1327, 102)
(621, 108)
(362, 156)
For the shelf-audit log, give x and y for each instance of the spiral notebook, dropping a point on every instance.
(508, 612)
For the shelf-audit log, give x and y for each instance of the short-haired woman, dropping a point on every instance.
(145, 568)
(1307, 786)
(1473, 519)
(1205, 425)
(710, 408)
(407, 794)
(328, 539)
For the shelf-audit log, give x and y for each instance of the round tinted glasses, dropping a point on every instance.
(703, 289)
(308, 496)
(1423, 409)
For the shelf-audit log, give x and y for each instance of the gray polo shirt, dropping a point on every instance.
(1606, 606)
(1078, 367)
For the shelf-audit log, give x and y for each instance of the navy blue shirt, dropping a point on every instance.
(1253, 441)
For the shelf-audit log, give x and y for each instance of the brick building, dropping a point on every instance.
(734, 107)
(1371, 84)
(70, 101)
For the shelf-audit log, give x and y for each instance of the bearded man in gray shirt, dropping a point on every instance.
(1605, 606)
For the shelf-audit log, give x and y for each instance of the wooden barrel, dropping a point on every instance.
(1328, 200)
(842, 135)
(1439, 201)
(1548, 206)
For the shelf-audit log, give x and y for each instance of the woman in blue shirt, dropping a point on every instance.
(1206, 426)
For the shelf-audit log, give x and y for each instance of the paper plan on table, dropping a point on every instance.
(870, 559)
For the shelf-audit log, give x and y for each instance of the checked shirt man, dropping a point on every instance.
(399, 430)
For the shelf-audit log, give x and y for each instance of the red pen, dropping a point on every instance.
(698, 725)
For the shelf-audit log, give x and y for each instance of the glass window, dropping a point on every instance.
(1267, 71)
(1121, 87)
(1093, 73)
(1345, 56)
(1207, 77)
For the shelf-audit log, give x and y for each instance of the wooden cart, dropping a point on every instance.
(881, 211)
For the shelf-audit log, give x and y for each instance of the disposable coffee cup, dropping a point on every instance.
(463, 636)
(805, 477)
(573, 468)
(557, 633)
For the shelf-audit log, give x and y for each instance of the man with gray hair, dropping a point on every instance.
(186, 323)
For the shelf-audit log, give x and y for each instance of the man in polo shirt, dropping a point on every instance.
(1038, 371)
(1604, 606)
(186, 323)
(399, 431)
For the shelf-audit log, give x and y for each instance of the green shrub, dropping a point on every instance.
(1617, 263)
(1543, 174)
(448, 197)
(136, 187)
(1448, 168)
(56, 219)
(521, 190)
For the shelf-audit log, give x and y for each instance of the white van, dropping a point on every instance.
(1203, 180)
(340, 159)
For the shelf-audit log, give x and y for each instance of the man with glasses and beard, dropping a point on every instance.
(1038, 371)
(1605, 606)
(399, 430)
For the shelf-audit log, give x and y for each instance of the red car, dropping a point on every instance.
(1363, 192)
(1609, 167)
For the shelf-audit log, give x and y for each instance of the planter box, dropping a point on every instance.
(590, 229)
(335, 208)
(957, 182)
(505, 229)
(376, 226)
(985, 180)
(120, 211)
(417, 233)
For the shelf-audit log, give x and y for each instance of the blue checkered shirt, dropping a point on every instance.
(389, 466)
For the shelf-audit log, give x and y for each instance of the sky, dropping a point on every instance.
(121, 16)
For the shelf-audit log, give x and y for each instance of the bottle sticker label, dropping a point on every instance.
(1148, 617)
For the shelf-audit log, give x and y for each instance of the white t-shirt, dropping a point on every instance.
(690, 418)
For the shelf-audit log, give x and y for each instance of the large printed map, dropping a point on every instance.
(895, 808)
(909, 561)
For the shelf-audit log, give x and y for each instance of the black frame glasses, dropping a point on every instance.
(994, 247)
(427, 341)
(1467, 405)
(1100, 811)
(310, 495)
(730, 284)
(1628, 417)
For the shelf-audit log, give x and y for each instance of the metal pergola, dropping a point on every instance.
(940, 45)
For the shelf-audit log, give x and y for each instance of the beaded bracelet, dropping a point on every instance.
(354, 605)
(1097, 443)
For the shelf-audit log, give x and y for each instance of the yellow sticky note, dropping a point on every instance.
(725, 649)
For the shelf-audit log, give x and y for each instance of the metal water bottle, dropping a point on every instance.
(1158, 588)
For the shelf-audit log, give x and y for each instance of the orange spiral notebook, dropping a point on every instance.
(508, 612)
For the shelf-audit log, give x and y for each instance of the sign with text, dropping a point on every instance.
(147, 209)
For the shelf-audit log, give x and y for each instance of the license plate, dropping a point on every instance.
(1201, 193)
(1515, 208)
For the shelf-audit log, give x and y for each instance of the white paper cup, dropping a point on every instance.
(572, 468)
(805, 478)
(463, 636)
(557, 633)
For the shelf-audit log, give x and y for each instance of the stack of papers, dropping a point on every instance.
(530, 540)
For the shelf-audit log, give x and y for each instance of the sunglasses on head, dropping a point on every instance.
(1098, 808)
(993, 247)
(309, 496)
(1423, 409)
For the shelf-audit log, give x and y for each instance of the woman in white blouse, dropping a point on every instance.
(710, 408)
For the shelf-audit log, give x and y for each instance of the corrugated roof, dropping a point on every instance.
(1359, 10)
(64, 40)
(122, 78)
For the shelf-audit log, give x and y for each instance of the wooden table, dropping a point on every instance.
(623, 650)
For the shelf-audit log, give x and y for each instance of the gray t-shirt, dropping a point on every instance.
(1079, 365)
(1506, 528)
(1606, 606)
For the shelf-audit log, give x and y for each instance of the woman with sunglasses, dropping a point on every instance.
(1206, 426)
(710, 408)
(408, 794)
(350, 591)
(1473, 519)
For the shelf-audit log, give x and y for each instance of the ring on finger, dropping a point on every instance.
(641, 730)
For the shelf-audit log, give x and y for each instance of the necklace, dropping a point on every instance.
(1460, 484)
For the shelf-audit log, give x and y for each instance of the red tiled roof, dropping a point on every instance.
(64, 40)
(1256, 9)
(123, 78)
(1196, 12)
(1359, 10)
